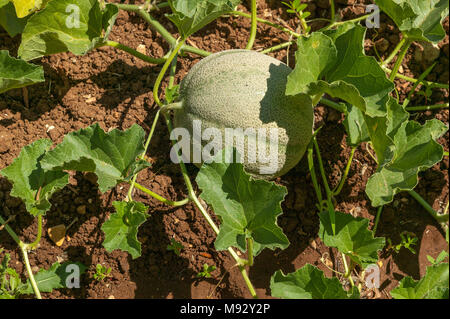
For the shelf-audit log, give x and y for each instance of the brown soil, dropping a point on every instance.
(114, 89)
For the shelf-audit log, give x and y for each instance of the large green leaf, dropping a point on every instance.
(334, 63)
(111, 156)
(434, 285)
(33, 184)
(3, 3)
(122, 227)
(308, 282)
(248, 208)
(16, 73)
(191, 16)
(66, 25)
(9, 20)
(417, 19)
(413, 148)
(352, 237)
(53, 278)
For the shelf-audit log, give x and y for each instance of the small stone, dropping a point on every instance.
(81, 209)
(382, 45)
(141, 49)
(111, 297)
(57, 234)
(5, 141)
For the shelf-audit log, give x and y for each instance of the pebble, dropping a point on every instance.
(382, 45)
(81, 209)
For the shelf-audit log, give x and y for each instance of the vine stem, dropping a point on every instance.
(163, 72)
(347, 169)
(208, 218)
(23, 248)
(160, 198)
(377, 219)
(135, 53)
(337, 106)
(312, 171)
(192, 196)
(252, 38)
(267, 22)
(427, 107)
(441, 219)
(400, 58)
(348, 273)
(413, 80)
(278, 47)
(394, 52)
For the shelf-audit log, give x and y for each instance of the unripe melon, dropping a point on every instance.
(246, 89)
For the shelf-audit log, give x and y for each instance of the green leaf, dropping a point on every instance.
(413, 149)
(247, 207)
(66, 25)
(3, 3)
(308, 282)
(16, 73)
(355, 126)
(53, 278)
(334, 63)
(417, 19)
(111, 156)
(9, 20)
(122, 227)
(352, 237)
(28, 177)
(191, 16)
(434, 285)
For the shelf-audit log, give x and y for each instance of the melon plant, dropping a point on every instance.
(238, 90)
(243, 89)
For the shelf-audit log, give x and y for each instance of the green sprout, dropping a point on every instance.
(207, 270)
(101, 272)
(175, 246)
(408, 240)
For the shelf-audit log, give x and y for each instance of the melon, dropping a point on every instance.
(243, 92)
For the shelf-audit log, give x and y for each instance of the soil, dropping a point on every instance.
(113, 89)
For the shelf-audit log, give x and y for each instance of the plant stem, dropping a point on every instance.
(163, 72)
(269, 23)
(400, 58)
(135, 7)
(347, 169)
(348, 272)
(205, 214)
(160, 198)
(10, 231)
(34, 244)
(248, 282)
(394, 53)
(441, 219)
(413, 80)
(377, 219)
(332, 10)
(137, 54)
(251, 40)
(427, 107)
(23, 249)
(250, 251)
(335, 24)
(313, 174)
(337, 106)
(419, 80)
(278, 47)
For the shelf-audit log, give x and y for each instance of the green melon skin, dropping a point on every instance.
(246, 89)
